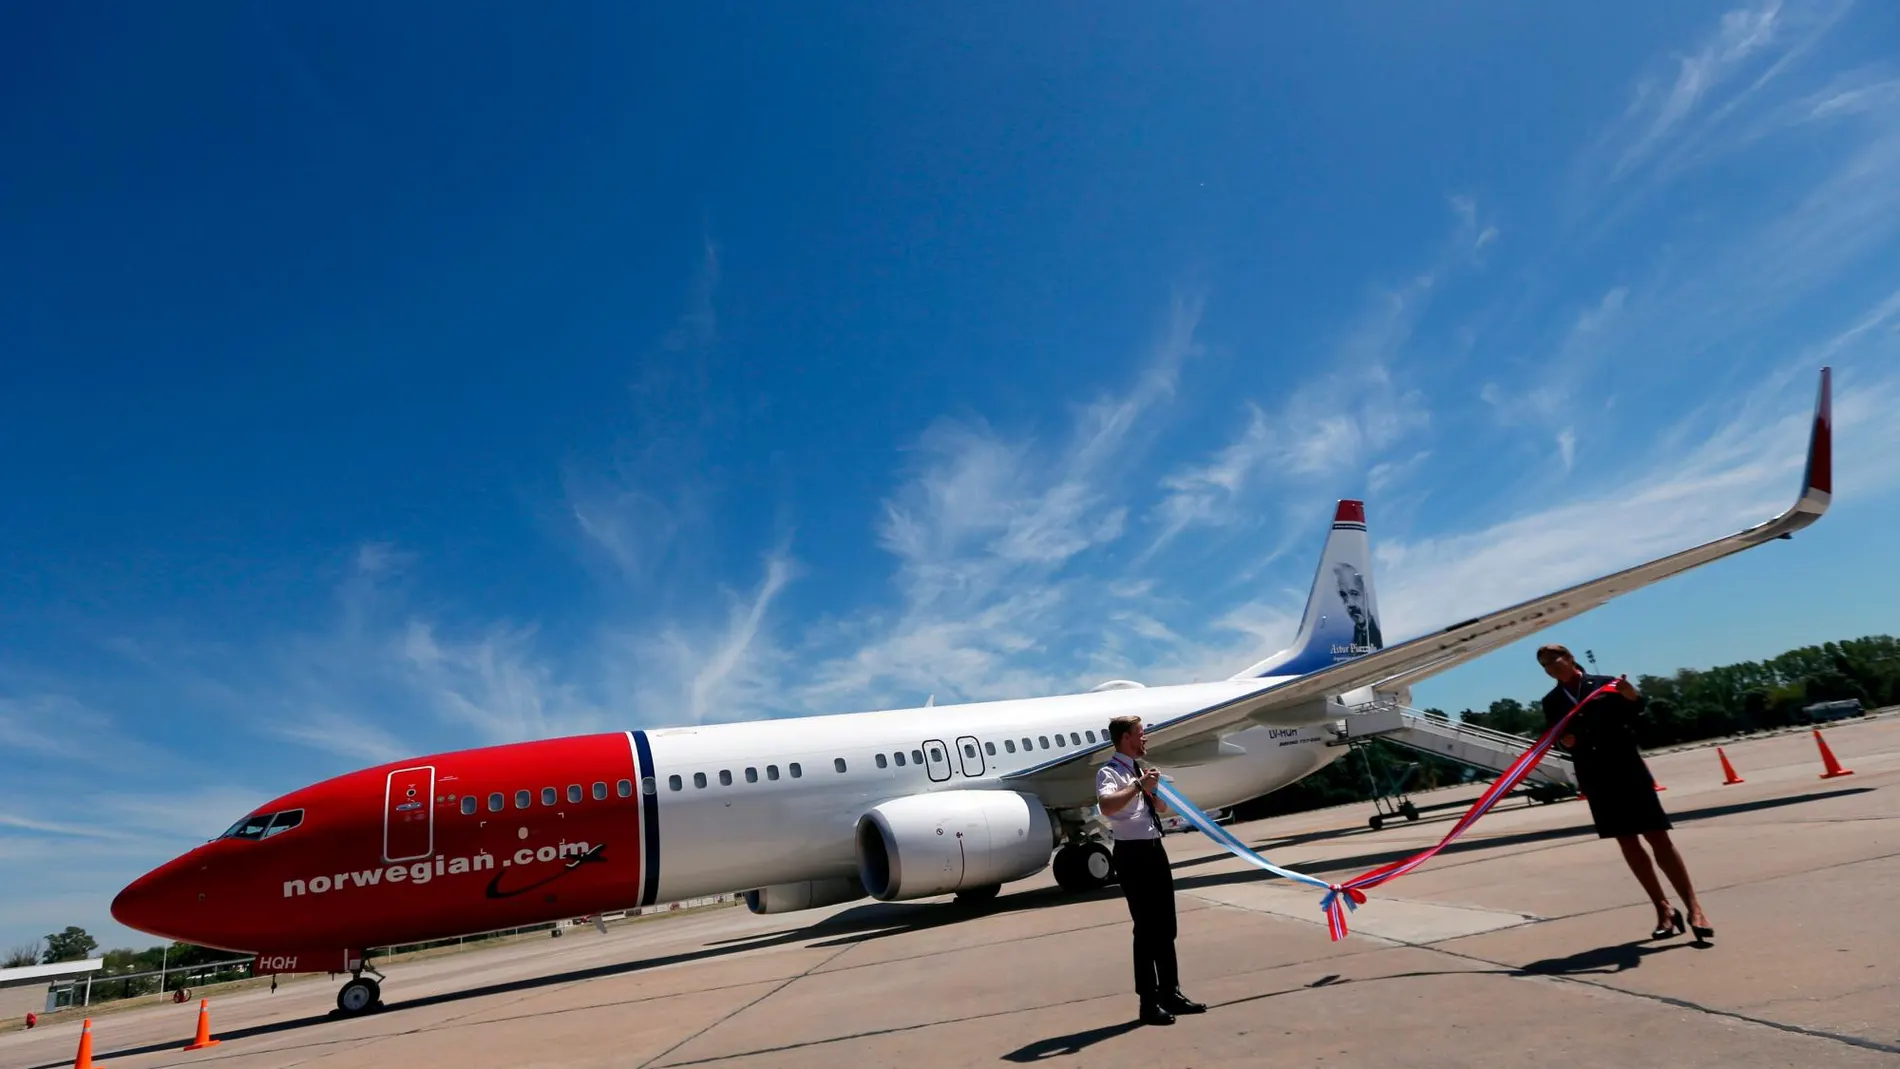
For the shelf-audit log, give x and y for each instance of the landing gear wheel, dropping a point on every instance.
(1377, 821)
(1086, 867)
(358, 996)
(977, 896)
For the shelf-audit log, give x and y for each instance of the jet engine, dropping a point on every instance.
(932, 844)
(806, 894)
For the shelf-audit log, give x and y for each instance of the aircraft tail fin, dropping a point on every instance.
(1342, 612)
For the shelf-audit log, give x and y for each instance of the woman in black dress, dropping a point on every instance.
(1601, 740)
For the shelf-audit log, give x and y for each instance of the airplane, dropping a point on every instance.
(805, 812)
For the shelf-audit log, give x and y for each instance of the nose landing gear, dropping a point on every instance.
(359, 995)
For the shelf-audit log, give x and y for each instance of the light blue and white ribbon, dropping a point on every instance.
(1191, 813)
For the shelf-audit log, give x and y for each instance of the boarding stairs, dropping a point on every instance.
(1478, 748)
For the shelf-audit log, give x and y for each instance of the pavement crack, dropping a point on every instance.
(722, 1019)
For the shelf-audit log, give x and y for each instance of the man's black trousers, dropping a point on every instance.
(1141, 866)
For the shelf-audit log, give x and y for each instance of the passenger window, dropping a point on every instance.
(916, 757)
(523, 799)
(647, 786)
(899, 755)
(752, 775)
(969, 750)
(936, 754)
(838, 763)
(495, 802)
(624, 788)
(725, 777)
(1010, 745)
(674, 783)
(1045, 741)
(600, 790)
(795, 770)
(882, 761)
(699, 779)
(1090, 735)
(574, 793)
(989, 748)
(1027, 745)
(468, 804)
(1074, 739)
(548, 796)
(771, 771)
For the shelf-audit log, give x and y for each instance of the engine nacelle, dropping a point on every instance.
(933, 844)
(808, 894)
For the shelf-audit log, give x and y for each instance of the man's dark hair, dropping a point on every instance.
(1554, 649)
(1120, 726)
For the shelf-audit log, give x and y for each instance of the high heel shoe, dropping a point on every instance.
(1674, 927)
(1703, 934)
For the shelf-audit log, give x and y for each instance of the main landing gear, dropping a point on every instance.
(359, 995)
(1084, 866)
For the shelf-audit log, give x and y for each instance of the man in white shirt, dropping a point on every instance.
(1125, 794)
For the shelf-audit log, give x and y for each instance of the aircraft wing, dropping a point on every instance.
(1303, 699)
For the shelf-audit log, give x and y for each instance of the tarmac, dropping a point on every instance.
(1526, 942)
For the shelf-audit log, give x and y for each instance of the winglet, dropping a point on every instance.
(1820, 473)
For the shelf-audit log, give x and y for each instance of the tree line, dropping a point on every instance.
(1689, 706)
(76, 944)
(1736, 699)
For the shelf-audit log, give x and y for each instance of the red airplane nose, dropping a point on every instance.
(140, 904)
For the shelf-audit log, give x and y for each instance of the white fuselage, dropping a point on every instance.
(760, 803)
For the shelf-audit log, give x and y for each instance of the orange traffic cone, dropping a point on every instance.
(204, 1028)
(1827, 758)
(1728, 770)
(84, 1060)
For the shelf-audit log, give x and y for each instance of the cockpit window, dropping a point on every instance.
(264, 825)
(251, 827)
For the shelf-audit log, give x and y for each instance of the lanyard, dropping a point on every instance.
(1127, 764)
(1575, 699)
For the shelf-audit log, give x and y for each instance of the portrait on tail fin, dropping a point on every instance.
(1365, 621)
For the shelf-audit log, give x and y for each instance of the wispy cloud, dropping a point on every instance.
(982, 530)
(639, 509)
(1737, 472)
(1695, 105)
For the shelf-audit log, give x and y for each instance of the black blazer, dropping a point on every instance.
(1605, 729)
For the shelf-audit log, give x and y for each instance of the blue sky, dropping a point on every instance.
(378, 382)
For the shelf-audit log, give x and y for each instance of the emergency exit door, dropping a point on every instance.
(936, 760)
(970, 756)
(409, 814)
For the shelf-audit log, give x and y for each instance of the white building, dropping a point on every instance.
(29, 989)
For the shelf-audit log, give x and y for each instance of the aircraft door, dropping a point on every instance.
(409, 814)
(936, 760)
(970, 755)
